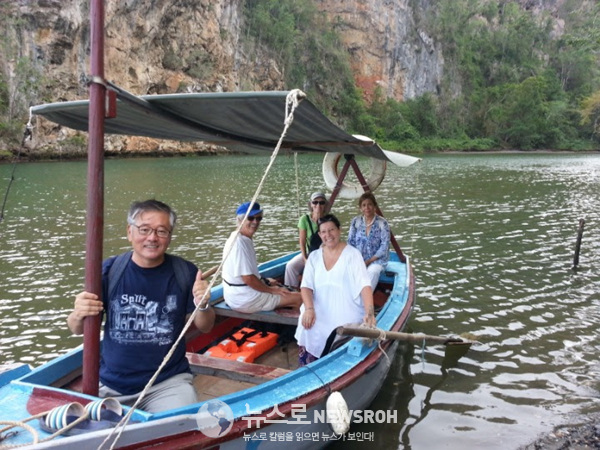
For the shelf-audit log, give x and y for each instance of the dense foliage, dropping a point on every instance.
(511, 80)
(309, 52)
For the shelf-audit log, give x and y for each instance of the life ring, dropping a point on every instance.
(352, 190)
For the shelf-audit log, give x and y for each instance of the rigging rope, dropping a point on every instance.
(414, 226)
(33, 432)
(293, 99)
(26, 136)
(297, 185)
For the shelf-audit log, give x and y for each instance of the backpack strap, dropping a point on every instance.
(312, 230)
(115, 273)
(182, 273)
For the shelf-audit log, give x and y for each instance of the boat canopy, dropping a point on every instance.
(248, 122)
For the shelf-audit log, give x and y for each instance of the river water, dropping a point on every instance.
(491, 238)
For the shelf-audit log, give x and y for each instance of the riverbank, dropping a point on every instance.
(209, 150)
(585, 435)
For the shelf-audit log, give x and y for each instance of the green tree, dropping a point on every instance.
(311, 55)
(590, 113)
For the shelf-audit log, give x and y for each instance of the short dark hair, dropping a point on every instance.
(328, 218)
(139, 207)
(367, 196)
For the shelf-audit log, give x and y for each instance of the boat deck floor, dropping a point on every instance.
(215, 377)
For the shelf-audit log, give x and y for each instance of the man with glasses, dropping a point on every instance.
(243, 288)
(147, 296)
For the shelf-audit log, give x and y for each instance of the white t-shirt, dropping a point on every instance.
(336, 295)
(241, 261)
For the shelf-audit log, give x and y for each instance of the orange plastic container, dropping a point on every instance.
(246, 345)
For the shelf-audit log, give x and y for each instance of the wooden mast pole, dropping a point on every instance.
(95, 197)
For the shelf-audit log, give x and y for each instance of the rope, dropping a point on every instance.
(34, 433)
(20, 425)
(325, 385)
(27, 134)
(297, 185)
(382, 337)
(293, 99)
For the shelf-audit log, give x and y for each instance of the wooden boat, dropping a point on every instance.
(268, 401)
(271, 400)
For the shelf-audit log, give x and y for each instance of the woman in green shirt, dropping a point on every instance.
(308, 237)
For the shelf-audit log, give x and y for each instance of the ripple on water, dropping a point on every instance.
(491, 238)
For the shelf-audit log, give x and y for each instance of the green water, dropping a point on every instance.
(491, 238)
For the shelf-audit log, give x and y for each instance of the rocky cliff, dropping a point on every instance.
(166, 46)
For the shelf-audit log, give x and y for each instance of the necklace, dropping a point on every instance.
(371, 222)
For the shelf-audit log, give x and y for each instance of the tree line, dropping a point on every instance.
(511, 80)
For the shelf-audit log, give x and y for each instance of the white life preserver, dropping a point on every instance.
(351, 190)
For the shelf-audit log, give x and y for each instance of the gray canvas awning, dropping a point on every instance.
(248, 122)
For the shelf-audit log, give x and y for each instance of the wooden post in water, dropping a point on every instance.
(578, 244)
(95, 197)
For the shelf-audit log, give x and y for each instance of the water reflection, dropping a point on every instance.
(491, 238)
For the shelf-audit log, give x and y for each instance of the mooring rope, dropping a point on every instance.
(382, 337)
(292, 102)
(36, 439)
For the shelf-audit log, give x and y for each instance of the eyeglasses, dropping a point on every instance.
(319, 202)
(145, 230)
(257, 218)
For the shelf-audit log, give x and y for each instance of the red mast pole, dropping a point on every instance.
(95, 197)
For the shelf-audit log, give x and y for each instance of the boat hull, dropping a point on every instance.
(289, 408)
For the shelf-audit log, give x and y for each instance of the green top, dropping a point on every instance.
(310, 226)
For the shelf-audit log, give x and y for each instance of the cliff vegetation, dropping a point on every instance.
(414, 75)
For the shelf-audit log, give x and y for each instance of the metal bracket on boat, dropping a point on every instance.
(110, 98)
(94, 79)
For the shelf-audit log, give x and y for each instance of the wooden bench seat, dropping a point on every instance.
(234, 370)
(285, 316)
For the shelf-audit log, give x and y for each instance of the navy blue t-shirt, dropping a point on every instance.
(143, 320)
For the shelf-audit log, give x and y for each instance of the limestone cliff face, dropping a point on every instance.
(388, 46)
(166, 46)
(152, 47)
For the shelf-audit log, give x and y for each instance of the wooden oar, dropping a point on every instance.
(375, 333)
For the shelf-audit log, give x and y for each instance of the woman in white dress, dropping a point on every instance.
(336, 290)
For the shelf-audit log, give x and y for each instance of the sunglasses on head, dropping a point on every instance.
(319, 202)
(255, 218)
